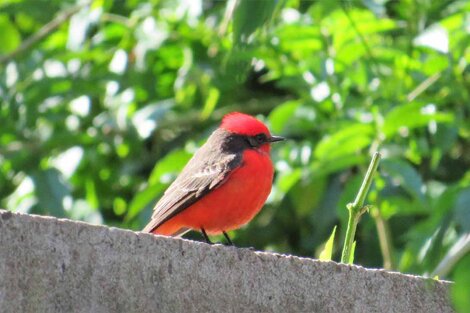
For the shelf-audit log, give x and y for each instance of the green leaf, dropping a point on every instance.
(143, 199)
(405, 176)
(459, 290)
(326, 167)
(249, 16)
(327, 251)
(210, 103)
(170, 165)
(10, 38)
(237, 64)
(401, 206)
(91, 195)
(288, 179)
(280, 116)
(292, 117)
(51, 191)
(462, 210)
(349, 140)
(97, 4)
(413, 115)
(307, 194)
(300, 39)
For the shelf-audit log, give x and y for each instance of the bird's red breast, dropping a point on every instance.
(233, 204)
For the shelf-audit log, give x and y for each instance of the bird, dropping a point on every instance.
(223, 186)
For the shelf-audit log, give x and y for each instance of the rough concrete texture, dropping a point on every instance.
(53, 265)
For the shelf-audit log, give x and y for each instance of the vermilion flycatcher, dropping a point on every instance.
(223, 186)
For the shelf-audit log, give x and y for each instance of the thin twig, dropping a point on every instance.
(230, 9)
(456, 252)
(361, 195)
(385, 238)
(115, 18)
(42, 33)
(423, 86)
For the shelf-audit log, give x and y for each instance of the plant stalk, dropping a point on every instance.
(385, 239)
(357, 208)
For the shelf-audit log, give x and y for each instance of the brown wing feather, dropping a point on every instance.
(208, 168)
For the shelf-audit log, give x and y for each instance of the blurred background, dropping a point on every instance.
(104, 101)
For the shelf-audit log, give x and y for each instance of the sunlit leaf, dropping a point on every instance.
(10, 38)
(287, 180)
(459, 289)
(300, 39)
(327, 251)
(280, 116)
(346, 141)
(325, 167)
(211, 101)
(169, 166)
(413, 115)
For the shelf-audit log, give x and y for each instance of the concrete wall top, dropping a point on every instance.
(57, 265)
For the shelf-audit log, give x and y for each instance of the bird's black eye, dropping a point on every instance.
(260, 138)
(257, 140)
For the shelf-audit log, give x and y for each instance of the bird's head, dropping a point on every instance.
(256, 133)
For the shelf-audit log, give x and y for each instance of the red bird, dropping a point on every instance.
(223, 186)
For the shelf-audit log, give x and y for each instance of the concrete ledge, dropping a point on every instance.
(56, 265)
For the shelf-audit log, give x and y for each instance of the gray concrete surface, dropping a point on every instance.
(54, 265)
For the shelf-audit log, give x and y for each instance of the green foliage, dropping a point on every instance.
(99, 113)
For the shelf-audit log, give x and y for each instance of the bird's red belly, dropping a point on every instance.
(231, 205)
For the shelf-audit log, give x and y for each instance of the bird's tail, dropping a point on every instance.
(166, 229)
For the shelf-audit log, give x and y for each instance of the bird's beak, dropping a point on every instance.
(276, 138)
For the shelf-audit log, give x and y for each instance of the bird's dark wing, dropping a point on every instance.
(209, 168)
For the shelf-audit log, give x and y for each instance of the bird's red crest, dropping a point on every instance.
(243, 124)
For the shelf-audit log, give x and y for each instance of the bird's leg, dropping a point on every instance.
(230, 243)
(206, 237)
